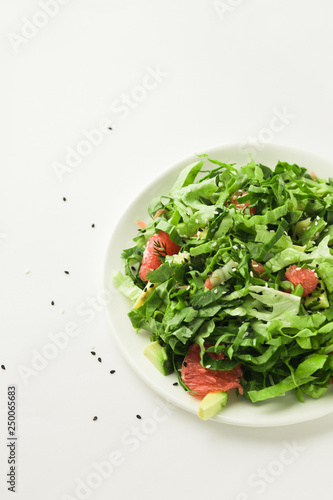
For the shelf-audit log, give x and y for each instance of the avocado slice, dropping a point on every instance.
(148, 290)
(211, 404)
(158, 356)
(317, 299)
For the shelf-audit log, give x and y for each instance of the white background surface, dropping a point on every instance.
(225, 77)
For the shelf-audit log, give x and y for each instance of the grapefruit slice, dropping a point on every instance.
(305, 277)
(241, 206)
(158, 245)
(203, 381)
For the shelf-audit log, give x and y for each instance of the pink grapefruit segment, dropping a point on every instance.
(203, 380)
(305, 277)
(160, 243)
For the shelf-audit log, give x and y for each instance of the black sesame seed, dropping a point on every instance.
(185, 364)
(66, 272)
(95, 418)
(286, 181)
(92, 225)
(209, 273)
(52, 303)
(145, 289)
(322, 290)
(93, 353)
(64, 198)
(196, 275)
(184, 242)
(239, 246)
(200, 230)
(138, 252)
(175, 383)
(318, 299)
(231, 237)
(135, 281)
(133, 268)
(196, 307)
(139, 417)
(186, 260)
(312, 201)
(112, 372)
(110, 128)
(143, 230)
(3, 367)
(317, 265)
(100, 360)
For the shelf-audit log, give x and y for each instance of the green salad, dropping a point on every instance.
(233, 278)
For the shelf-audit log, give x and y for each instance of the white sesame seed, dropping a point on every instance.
(234, 269)
(255, 265)
(214, 244)
(316, 223)
(251, 274)
(318, 218)
(298, 268)
(266, 285)
(208, 366)
(235, 247)
(27, 271)
(215, 291)
(196, 220)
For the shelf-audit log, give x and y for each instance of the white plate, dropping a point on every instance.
(279, 411)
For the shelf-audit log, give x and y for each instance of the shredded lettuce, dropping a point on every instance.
(241, 229)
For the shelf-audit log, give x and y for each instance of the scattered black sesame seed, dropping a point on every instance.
(209, 273)
(64, 199)
(200, 230)
(143, 230)
(186, 260)
(145, 289)
(175, 383)
(239, 246)
(92, 225)
(318, 299)
(231, 237)
(286, 181)
(184, 242)
(185, 364)
(93, 353)
(112, 372)
(135, 281)
(317, 265)
(66, 272)
(322, 290)
(52, 303)
(3, 367)
(151, 285)
(95, 418)
(312, 201)
(100, 360)
(110, 128)
(196, 307)
(133, 268)
(196, 275)
(138, 252)
(310, 294)
(139, 417)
